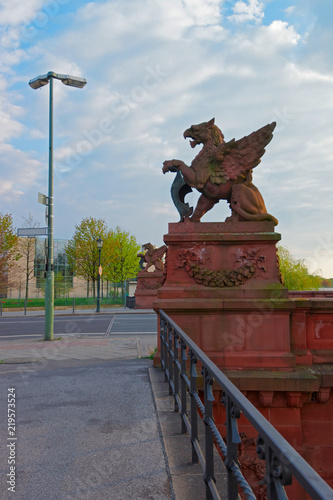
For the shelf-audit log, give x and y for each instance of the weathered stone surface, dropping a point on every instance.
(221, 171)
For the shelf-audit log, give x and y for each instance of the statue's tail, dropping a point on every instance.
(252, 217)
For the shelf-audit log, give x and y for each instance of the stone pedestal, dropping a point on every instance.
(223, 289)
(146, 290)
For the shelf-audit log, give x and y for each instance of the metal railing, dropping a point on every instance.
(179, 359)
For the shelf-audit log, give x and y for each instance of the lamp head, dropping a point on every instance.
(39, 82)
(72, 81)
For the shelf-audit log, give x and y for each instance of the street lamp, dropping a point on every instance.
(99, 246)
(37, 83)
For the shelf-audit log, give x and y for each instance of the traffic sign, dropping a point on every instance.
(100, 270)
(42, 198)
(32, 232)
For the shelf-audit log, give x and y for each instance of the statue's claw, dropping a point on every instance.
(168, 166)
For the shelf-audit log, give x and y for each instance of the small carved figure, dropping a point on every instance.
(222, 170)
(153, 256)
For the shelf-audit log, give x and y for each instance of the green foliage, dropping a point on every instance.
(9, 253)
(119, 259)
(81, 250)
(295, 273)
(120, 256)
(8, 238)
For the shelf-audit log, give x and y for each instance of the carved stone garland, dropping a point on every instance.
(191, 261)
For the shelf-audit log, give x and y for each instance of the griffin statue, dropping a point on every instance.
(152, 257)
(221, 171)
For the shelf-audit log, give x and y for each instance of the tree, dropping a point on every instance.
(118, 257)
(120, 251)
(327, 283)
(295, 273)
(9, 253)
(82, 252)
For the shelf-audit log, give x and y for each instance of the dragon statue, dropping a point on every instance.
(152, 256)
(221, 171)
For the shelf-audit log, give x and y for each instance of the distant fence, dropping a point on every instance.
(64, 302)
(179, 359)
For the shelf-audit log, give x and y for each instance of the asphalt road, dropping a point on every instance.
(85, 324)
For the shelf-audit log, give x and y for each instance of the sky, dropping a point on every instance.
(153, 68)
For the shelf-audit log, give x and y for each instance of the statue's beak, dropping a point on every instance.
(187, 133)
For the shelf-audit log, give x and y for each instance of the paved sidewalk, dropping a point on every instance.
(76, 348)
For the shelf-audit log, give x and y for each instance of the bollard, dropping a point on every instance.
(73, 305)
(25, 307)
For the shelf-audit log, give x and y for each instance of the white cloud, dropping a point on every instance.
(7, 191)
(282, 33)
(154, 68)
(290, 10)
(16, 12)
(20, 168)
(9, 126)
(251, 11)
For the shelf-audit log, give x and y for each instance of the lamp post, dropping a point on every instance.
(99, 246)
(37, 83)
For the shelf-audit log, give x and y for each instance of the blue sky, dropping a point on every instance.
(153, 68)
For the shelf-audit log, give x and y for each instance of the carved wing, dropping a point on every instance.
(159, 252)
(233, 159)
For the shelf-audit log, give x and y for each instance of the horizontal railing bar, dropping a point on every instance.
(198, 402)
(233, 466)
(186, 379)
(178, 400)
(187, 422)
(247, 490)
(213, 489)
(200, 454)
(217, 436)
(301, 470)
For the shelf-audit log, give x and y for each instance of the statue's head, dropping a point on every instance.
(203, 133)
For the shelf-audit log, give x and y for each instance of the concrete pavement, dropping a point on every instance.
(93, 422)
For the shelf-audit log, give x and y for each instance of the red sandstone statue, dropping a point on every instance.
(153, 256)
(222, 170)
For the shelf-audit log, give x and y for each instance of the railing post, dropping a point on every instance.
(194, 413)
(183, 411)
(170, 363)
(165, 351)
(277, 474)
(209, 440)
(232, 440)
(176, 371)
(162, 341)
